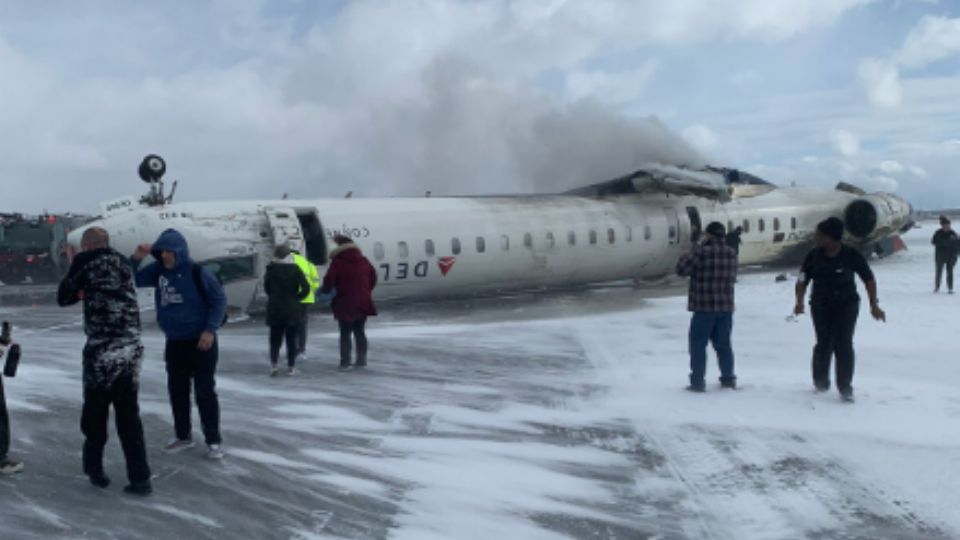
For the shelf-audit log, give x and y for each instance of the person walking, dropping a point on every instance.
(712, 268)
(945, 253)
(285, 285)
(112, 356)
(733, 239)
(834, 303)
(190, 305)
(354, 278)
(7, 465)
(313, 279)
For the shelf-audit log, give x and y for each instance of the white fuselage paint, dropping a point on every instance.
(593, 239)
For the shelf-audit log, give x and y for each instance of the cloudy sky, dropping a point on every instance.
(256, 98)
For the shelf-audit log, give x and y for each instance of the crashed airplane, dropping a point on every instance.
(632, 227)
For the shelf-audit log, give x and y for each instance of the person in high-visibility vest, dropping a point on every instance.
(313, 279)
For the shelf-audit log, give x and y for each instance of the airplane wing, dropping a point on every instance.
(658, 178)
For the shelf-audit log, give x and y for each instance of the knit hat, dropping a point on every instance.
(715, 228)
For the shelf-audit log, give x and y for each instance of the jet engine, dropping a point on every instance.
(876, 216)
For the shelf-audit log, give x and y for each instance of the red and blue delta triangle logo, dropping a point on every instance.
(446, 264)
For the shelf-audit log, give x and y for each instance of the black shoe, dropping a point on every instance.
(100, 480)
(821, 386)
(846, 395)
(698, 388)
(730, 383)
(360, 364)
(139, 488)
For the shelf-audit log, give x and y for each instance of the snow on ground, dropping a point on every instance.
(549, 417)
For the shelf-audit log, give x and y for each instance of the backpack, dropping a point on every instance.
(197, 272)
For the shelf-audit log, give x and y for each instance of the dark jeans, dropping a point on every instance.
(302, 330)
(834, 326)
(93, 422)
(186, 362)
(714, 327)
(945, 263)
(4, 424)
(354, 329)
(277, 333)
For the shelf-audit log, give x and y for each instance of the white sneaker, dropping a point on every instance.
(291, 371)
(214, 452)
(8, 466)
(274, 370)
(176, 445)
(301, 357)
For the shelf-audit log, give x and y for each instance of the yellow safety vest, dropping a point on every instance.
(310, 272)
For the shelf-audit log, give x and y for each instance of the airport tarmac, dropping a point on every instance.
(559, 415)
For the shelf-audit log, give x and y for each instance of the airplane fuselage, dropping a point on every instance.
(445, 246)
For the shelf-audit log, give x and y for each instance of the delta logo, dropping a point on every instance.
(446, 264)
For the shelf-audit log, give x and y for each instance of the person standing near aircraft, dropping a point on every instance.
(734, 240)
(286, 286)
(834, 303)
(190, 306)
(712, 268)
(102, 279)
(945, 254)
(354, 278)
(313, 279)
(7, 465)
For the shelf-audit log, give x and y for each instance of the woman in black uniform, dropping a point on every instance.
(835, 304)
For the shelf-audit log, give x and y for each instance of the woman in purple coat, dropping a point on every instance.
(354, 278)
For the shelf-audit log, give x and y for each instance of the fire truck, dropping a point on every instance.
(33, 248)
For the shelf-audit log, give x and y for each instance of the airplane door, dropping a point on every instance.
(696, 227)
(285, 227)
(673, 226)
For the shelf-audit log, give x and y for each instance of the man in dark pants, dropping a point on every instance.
(354, 278)
(112, 356)
(945, 253)
(190, 309)
(7, 465)
(734, 240)
(712, 267)
(835, 304)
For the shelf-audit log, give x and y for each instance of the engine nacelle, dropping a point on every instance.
(876, 216)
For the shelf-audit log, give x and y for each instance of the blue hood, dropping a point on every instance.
(172, 240)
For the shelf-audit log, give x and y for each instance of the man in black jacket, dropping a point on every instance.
(7, 465)
(945, 255)
(103, 280)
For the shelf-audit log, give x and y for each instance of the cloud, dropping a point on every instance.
(932, 39)
(891, 167)
(881, 80)
(845, 142)
(615, 88)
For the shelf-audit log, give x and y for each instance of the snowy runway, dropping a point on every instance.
(560, 416)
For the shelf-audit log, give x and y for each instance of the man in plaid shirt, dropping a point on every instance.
(712, 267)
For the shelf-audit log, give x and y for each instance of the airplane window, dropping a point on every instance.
(428, 247)
(776, 224)
(378, 251)
(672, 233)
(481, 244)
(761, 225)
(505, 242)
(611, 236)
(793, 223)
(629, 234)
(647, 233)
(593, 237)
(572, 238)
(231, 269)
(455, 246)
(402, 250)
(528, 240)
(550, 241)
(746, 225)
